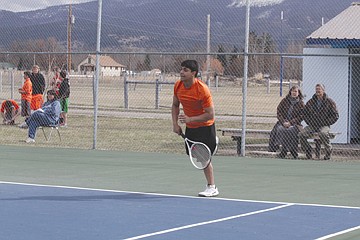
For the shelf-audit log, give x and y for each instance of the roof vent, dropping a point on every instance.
(355, 4)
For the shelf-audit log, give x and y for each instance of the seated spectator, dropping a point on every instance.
(9, 111)
(47, 115)
(319, 114)
(290, 114)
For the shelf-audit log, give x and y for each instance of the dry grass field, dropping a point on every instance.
(142, 127)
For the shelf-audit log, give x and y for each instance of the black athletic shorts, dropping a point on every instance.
(205, 135)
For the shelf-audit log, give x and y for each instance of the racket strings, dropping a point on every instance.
(201, 154)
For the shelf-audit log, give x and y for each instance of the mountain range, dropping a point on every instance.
(169, 25)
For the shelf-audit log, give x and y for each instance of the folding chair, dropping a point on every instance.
(51, 129)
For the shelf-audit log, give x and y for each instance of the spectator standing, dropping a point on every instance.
(290, 114)
(9, 111)
(199, 115)
(46, 116)
(64, 94)
(320, 113)
(56, 81)
(38, 84)
(26, 96)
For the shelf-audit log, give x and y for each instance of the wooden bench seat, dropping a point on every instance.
(236, 135)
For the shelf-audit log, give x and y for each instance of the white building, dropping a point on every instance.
(108, 66)
(331, 66)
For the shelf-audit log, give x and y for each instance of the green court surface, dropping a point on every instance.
(295, 181)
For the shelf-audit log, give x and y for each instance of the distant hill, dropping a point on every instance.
(168, 25)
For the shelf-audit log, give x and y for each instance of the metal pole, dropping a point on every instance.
(97, 71)
(69, 39)
(1, 81)
(245, 80)
(11, 78)
(208, 66)
(157, 94)
(126, 92)
(281, 57)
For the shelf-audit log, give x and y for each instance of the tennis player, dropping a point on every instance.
(199, 115)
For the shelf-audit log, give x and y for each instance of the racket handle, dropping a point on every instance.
(183, 135)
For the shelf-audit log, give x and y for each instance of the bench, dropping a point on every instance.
(236, 135)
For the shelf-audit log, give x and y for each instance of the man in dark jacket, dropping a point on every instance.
(320, 113)
(38, 88)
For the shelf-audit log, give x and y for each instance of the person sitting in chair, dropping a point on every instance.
(47, 115)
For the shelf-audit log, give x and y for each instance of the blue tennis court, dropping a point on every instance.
(30, 211)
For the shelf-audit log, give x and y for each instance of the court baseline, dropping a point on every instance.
(202, 223)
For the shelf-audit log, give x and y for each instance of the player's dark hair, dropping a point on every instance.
(192, 65)
(63, 74)
(51, 92)
(27, 73)
(8, 105)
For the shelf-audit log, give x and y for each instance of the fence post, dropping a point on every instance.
(217, 82)
(11, 78)
(267, 78)
(1, 81)
(126, 92)
(157, 90)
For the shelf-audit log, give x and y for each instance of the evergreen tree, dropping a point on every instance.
(222, 57)
(21, 65)
(147, 62)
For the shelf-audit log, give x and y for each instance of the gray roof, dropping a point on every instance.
(341, 30)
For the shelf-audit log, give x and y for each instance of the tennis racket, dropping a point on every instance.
(199, 153)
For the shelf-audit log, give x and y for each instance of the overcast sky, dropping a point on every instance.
(27, 5)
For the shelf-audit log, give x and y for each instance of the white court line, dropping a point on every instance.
(339, 233)
(284, 204)
(181, 196)
(208, 222)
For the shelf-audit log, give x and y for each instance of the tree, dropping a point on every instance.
(293, 66)
(222, 57)
(261, 63)
(45, 61)
(147, 62)
(215, 66)
(21, 65)
(236, 64)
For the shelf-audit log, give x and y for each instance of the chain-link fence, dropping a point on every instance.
(135, 87)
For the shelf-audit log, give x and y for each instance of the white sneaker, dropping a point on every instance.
(217, 144)
(30, 140)
(23, 125)
(210, 191)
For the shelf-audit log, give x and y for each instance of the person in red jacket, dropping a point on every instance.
(9, 111)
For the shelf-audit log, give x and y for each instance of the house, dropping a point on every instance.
(330, 64)
(108, 66)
